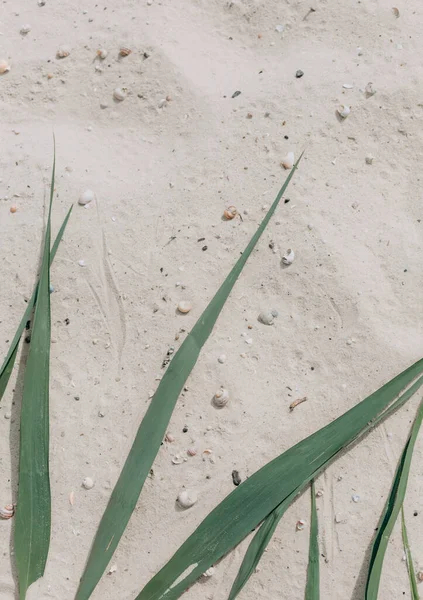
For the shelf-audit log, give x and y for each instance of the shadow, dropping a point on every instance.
(360, 584)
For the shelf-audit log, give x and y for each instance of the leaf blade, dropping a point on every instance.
(410, 564)
(313, 571)
(153, 426)
(33, 513)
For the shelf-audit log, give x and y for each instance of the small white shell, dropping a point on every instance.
(289, 257)
(288, 161)
(7, 512)
(162, 103)
(355, 498)
(230, 212)
(63, 52)
(4, 67)
(210, 572)
(369, 159)
(102, 53)
(369, 90)
(120, 94)
(300, 525)
(184, 306)
(25, 29)
(86, 197)
(221, 398)
(344, 111)
(88, 483)
(187, 498)
(177, 459)
(266, 318)
(221, 358)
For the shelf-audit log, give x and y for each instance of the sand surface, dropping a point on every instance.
(349, 306)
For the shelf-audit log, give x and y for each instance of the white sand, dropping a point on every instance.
(166, 172)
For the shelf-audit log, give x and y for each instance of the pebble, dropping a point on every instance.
(25, 29)
(249, 341)
(104, 105)
(81, 263)
(236, 477)
(88, 483)
(280, 28)
(112, 569)
(266, 318)
(235, 94)
(8, 415)
(300, 525)
(222, 358)
(299, 74)
(355, 498)
(369, 159)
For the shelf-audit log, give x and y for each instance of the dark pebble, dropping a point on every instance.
(235, 477)
(235, 94)
(299, 73)
(185, 429)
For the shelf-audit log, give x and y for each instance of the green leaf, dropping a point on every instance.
(263, 536)
(33, 513)
(240, 512)
(390, 513)
(313, 572)
(153, 427)
(9, 361)
(410, 563)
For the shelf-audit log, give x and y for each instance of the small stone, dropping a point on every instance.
(369, 159)
(299, 74)
(280, 28)
(81, 263)
(236, 477)
(8, 415)
(249, 341)
(274, 313)
(235, 94)
(222, 358)
(112, 569)
(266, 318)
(101, 414)
(104, 105)
(355, 498)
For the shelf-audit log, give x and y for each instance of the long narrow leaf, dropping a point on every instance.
(264, 534)
(392, 507)
(33, 514)
(241, 511)
(153, 427)
(9, 361)
(409, 558)
(313, 572)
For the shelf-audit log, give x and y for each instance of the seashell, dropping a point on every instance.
(289, 257)
(4, 67)
(396, 12)
(25, 29)
(13, 209)
(72, 498)
(169, 438)
(184, 306)
(168, 98)
(230, 212)
(120, 94)
(82, 263)
(266, 318)
(300, 525)
(221, 358)
(210, 572)
(344, 111)
(192, 451)
(288, 161)
(221, 398)
(369, 159)
(7, 512)
(319, 493)
(102, 53)
(86, 197)
(112, 569)
(88, 483)
(125, 51)
(177, 459)
(63, 52)
(187, 498)
(420, 576)
(355, 498)
(162, 103)
(348, 86)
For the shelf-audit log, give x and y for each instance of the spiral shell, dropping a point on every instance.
(4, 67)
(288, 161)
(120, 94)
(221, 398)
(7, 512)
(230, 213)
(344, 111)
(187, 498)
(63, 52)
(125, 51)
(184, 306)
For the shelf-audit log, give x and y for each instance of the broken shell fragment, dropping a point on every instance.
(420, 576)
(230, 212)
(25, 29)
(120, 94)
(221, 398)
(296, 403)
(169, 438)
(369, 90)
(88, 483)
(187, 498)
(221, 359)
(102, 53)
(266, 318)
(344, 111)
(184, 306)
(210, 572)
(177, 459)
(289, 257)
(300, 525)
(125, 51)
(288, 161)
(192, 451)
(319, 493)
(86, 197)
(7, 512)
(4, 67)
(63, 52)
